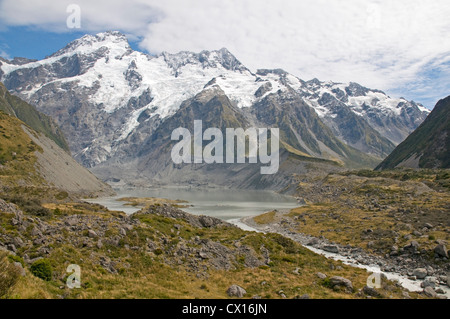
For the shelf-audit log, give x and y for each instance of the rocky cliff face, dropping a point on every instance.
(113, 102)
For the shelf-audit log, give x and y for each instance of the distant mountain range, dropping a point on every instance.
(118, 106)
(428, 146)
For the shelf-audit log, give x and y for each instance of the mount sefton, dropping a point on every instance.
(117, 108)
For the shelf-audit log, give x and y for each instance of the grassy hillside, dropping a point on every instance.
(40, 122)
(17, 158)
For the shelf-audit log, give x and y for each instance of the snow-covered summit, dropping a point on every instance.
(101, 78)
(90, 43)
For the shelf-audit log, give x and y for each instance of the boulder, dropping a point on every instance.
(420, 273)
(441, 250)
(371, 291)
(314, 241)
(92, 234)
(20, 268)
(321, 275)
(429, 291)
(331, 248)
(236, 291)
(412, 247)
(338, 281)
(429, 282)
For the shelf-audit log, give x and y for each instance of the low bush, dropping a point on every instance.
(42, 269)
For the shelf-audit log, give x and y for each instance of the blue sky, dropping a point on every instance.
(33, 43)
(401, 47)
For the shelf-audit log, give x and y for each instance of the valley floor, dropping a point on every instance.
(163, 252)
(397, 221)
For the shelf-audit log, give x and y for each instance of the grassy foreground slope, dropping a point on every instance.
(162, 252)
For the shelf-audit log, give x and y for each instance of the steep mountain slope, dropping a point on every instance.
(40, 122)
(392, 118)
(28, 158)
(301, 134)
(428, 146)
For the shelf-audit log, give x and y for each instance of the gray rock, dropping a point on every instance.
(420, 273)
(305, 296)
(429, 291)
(429, 282)
(35, 232)
(12, 248)
(428, 225)
(371, 291)
(412, 247)
(441, 250)
(21, 269)
(207, 221)
(314, 241)
(92, 234)
(331, 248)
(321, 275)
(9, 208)
(338, 281)
(236, 291)
(440, 291)
(99, 244)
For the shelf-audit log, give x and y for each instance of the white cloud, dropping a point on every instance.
(382, 44)
(98, 15)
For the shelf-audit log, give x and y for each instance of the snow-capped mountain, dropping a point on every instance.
(110, 99)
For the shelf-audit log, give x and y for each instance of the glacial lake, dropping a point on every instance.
(227, 204)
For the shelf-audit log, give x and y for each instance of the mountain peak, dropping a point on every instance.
(207, 59)
(90, 42)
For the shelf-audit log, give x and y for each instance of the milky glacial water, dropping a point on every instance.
(227, 204)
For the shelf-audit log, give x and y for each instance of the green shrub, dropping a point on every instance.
(42, 269)
(61, 195)
(15, 258)
(30, 205)
(288, 244)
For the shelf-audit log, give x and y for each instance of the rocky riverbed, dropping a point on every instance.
(415, 271)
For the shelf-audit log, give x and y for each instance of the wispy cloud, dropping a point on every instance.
(396, 46)
(4, 51)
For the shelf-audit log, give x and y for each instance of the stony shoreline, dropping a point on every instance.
(410, 264)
